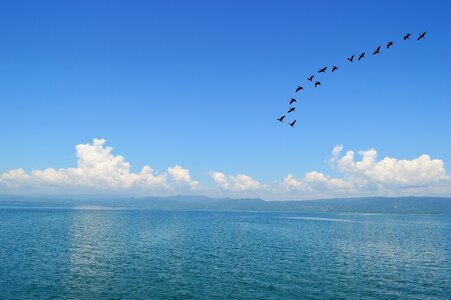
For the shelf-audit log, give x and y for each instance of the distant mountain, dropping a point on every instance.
(425, 205)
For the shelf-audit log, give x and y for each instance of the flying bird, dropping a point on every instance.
(317, 83)
(362, 55)
(389, 44)
(407, 36)
(310, 78)
(292, 109)
(334, 68)
(323, 70)
(299, 88)
(281, 119)
(377, 51)
(421, 36)
(292, 123)
(351, 58)
(292, 101)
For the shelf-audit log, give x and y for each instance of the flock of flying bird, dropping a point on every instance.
(335, 68)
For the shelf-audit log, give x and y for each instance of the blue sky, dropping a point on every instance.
(199, 84)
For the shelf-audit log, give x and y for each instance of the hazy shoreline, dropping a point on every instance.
(411, 205)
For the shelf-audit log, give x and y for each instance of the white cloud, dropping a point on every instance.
(392, 173)
(147, 178)
(235, 183)
(336, 153)
(358, 174)
(317, 182)
(14, 178)
(367, 175)
(98, 169)
(181, 176)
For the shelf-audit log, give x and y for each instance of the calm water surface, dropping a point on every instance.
(138, 254)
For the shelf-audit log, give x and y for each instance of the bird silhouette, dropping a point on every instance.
(281, 119)
(292, 123)
(407, 36)
(323, 70)
(317, 83)
(362, 55)
(292, 101)
(334, 68)
(389, 44)
(377, 51)
(310, 78)
(351, 58)
(421, 36)
(291, 109)
(299, 88)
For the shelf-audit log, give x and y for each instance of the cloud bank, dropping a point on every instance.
(365, 175)
(359, 174)
(99, 170)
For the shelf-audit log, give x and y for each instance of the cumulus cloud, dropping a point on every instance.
(364, 173)
(358, 173)
(14, 178)
(317, 182)
(181, 176)
(392, 173)
(235, 183)
(98, 168)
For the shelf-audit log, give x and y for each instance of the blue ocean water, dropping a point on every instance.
(138, 254)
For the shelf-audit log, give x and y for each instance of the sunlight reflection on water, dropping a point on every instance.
(98, 254)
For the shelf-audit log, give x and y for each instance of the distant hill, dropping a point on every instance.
(425, 205)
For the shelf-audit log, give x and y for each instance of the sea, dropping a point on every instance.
(86, 253)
